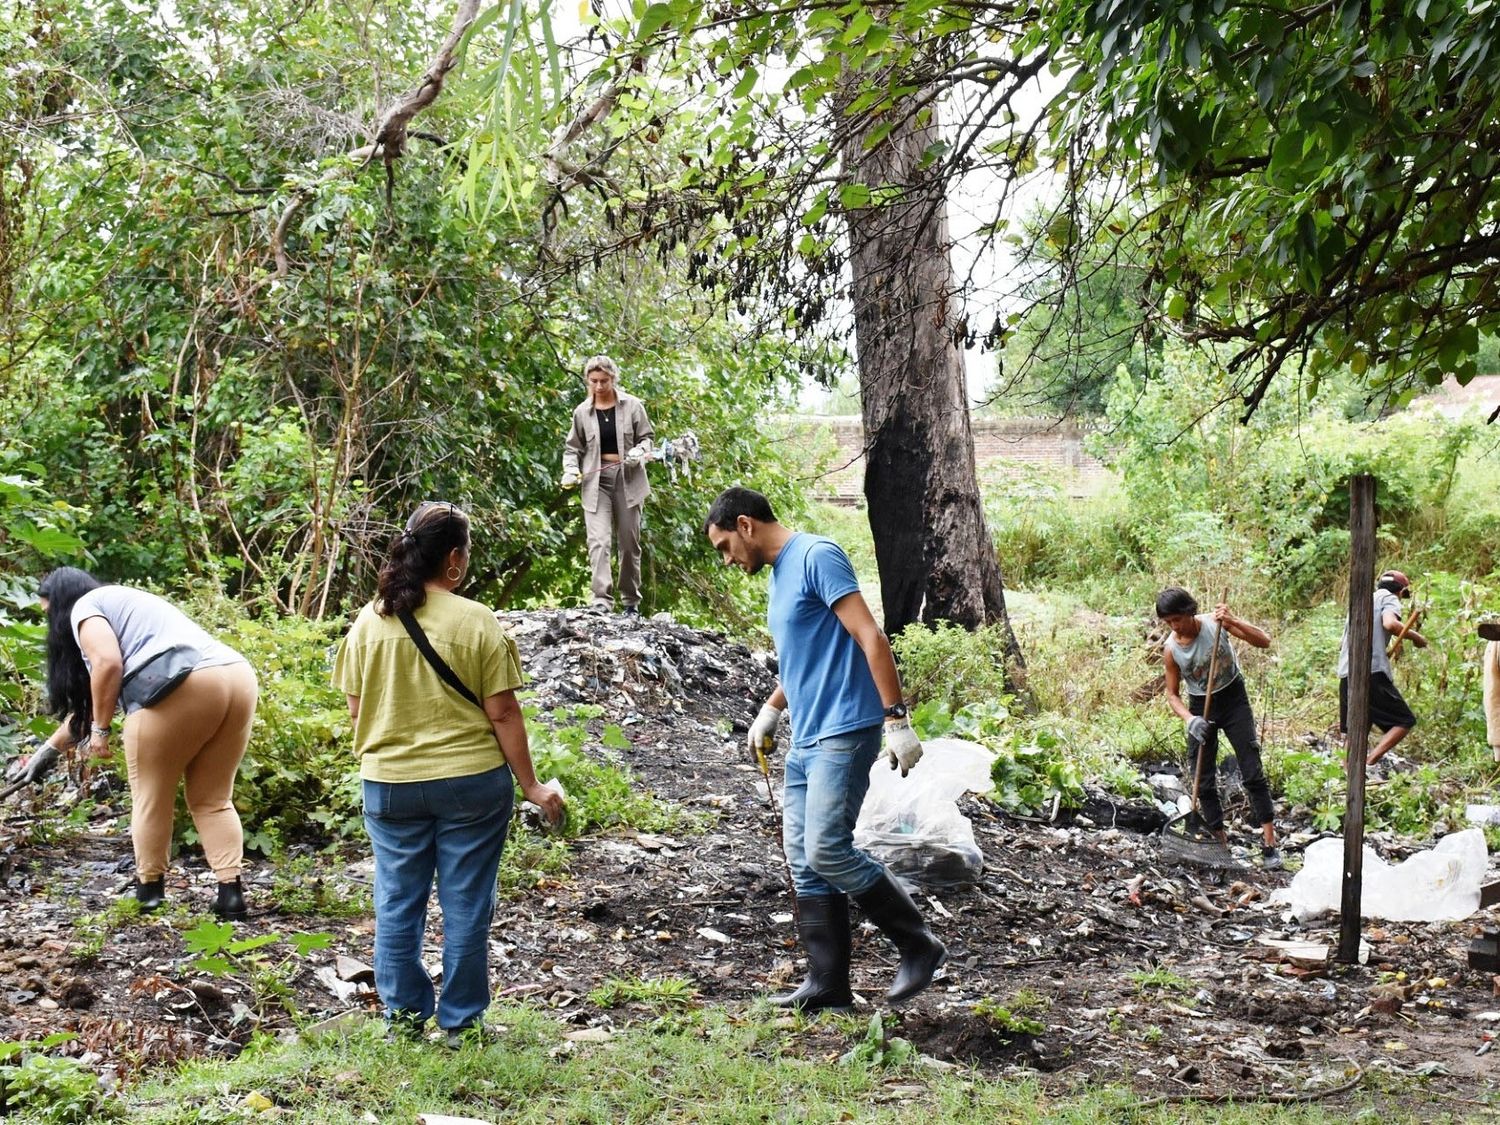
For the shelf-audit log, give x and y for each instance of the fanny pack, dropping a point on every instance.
(154, 680)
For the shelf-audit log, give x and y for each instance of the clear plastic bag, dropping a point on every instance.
(912, 824)
(1431, 886)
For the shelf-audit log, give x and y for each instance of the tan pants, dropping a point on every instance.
(1492, 694)
(614, 520)
(199, 732)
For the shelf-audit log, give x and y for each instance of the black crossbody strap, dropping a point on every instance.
(439, 665)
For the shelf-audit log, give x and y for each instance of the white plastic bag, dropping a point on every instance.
(912, 824)
(1437, 885)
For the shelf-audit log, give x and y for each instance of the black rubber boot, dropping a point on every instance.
(891, 908)
(823, 929)
(230, 904)
(152, 893)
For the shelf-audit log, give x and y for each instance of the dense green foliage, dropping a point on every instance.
(212, 414)
(1318, 178)
(1208, 503)
(1259, 512)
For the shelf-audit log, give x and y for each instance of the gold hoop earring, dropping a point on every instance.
(454, 574)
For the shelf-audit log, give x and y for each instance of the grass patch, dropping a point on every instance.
(602, 793)
(658, 994)
(1159, 979)
(91, 931)
(529, 860)
(725, 1067)
(301, 888)
(1013, 1017)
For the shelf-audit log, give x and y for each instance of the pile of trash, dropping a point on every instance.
(635, 664)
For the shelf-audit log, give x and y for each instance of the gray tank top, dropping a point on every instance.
(147, 626)
(1193, 661)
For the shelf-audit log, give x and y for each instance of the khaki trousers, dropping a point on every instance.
(1492, 694)
(612, 521)
(199, 732)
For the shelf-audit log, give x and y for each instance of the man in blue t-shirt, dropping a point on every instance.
(839, 681)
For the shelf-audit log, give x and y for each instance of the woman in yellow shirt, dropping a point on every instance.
(441, 744)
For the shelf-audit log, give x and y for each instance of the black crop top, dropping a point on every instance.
(609, 440)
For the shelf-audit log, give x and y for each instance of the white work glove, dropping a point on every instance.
(1198, 729)
(902, 747)
(762, 738)
(569, 479)
(638, 453)
(36, 767)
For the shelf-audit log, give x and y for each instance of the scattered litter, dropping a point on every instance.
(1484, 951)
(590, 1035)
(1482, 816)
(352, 969)
(712, 935)
(1437, 885)
(343, 989)
(1309, 953)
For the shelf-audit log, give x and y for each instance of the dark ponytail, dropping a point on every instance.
(418, 555)
(68, 689)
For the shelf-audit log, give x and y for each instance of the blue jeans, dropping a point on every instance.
(826, 783)
(454, 827)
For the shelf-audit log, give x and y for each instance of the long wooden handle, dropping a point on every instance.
(1406, 625)
(1213, 660)
(1208, 699)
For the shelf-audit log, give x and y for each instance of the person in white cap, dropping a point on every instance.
(1388, 710)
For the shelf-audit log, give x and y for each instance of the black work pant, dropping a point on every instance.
(1231, 714)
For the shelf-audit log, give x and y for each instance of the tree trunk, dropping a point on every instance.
(936, 558)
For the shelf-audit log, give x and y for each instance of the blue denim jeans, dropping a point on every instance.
(455, 828)
(826, 783)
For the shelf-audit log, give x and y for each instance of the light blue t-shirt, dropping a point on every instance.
(824, 673)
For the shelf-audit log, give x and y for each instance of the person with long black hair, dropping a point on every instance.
(431, 681)
(189, 703)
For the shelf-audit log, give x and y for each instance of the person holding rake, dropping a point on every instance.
(1197, 654)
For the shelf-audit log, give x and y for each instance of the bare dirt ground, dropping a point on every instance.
(1143, 973)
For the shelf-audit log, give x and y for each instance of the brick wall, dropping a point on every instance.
(1003, 448)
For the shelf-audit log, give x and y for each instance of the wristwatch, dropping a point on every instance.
(896, 711)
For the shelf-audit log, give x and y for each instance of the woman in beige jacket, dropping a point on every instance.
(605, 452)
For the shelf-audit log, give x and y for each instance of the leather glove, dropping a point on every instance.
(638, 453)
(762, 738)
(38, 766)
(1199, 728)
(570, 479)
(902, 747)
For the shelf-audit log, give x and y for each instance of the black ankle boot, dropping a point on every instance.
(823, 929)
(230, 904)
(152, 893)
(891, 908)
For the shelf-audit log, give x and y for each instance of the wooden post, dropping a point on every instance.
(1361, 626)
